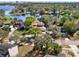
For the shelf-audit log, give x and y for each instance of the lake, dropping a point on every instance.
(8, 9)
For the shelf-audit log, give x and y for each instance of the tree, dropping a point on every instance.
(6, 28)
(56, 48)
(70, 26)
(63, 19)
(34, 31)
(2, 12)
(41, 43)
(42, 11)
(29, 21)
(6, 18)
(66, 17)
(44, 43)
(75, 15)
(4, 31)
(46, 19)
(1, 21)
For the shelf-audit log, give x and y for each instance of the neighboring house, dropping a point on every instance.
(6, 23)
(39, 25)
(28, 38)
(4, 49)
(19, 24)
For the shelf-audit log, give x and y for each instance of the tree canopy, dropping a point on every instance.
(29, 21)
(57, 48)
(34, 31)
(70, 26)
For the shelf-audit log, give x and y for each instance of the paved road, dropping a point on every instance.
(67, 42)
(72, 46)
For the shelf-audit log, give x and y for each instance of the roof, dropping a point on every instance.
(38, 23)
(29, 35)
(4, 49)
(6, 46)
(6, 23)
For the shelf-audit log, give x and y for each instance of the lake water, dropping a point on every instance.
(8, 9)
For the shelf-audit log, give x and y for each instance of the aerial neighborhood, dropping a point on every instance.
(39, 29)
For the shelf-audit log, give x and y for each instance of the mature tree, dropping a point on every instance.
(42, 11)
(46, 19)
(56, 48)
(6, 18)
(44, 43)
(34, 31)
(1, 21)
(70, 26)
(41, 43)
(6, 28)
(63, 19)
(75, 15)
(29, 21)
(3, 33)
(2, 12)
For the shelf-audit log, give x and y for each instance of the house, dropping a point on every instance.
(6, 23)
(37, 24)
(19, 24)
(40, 25)
(4, 49)
(29, 38)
